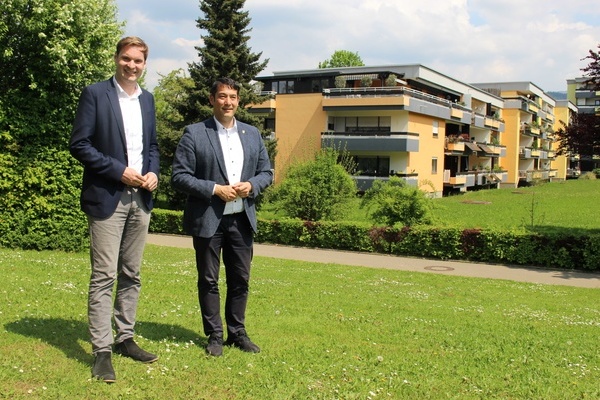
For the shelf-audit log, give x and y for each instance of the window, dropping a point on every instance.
(283, 87)
(434, 165)
(367, 124)
(319, 84)
(372, 166)
(436, 127)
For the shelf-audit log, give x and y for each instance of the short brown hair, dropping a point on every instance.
(132, 41)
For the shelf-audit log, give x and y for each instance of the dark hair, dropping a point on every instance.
(132, 41)
(224, 82)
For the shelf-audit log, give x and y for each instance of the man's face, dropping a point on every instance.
(130, 64)
(225, 103)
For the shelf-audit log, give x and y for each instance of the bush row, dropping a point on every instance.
(493, 246)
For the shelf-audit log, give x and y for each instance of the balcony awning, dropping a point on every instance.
(358, 77)
(472, 146)
(486, 149)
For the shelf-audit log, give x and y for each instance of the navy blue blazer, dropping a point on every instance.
(199, 164)
(98, 142)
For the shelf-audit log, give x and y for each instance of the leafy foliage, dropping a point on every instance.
(49, 50)
(394, 202)
(315, 190)
(592, 70)
(580, 136)
(342, 58)
(169, 95)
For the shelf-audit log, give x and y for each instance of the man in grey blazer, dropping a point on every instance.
(114, 137)
(223, 166)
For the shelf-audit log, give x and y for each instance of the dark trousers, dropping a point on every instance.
(234, 239)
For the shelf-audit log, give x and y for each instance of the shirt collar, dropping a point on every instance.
(220, 126)
(123, 94)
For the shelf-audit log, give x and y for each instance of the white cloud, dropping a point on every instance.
(471, 40)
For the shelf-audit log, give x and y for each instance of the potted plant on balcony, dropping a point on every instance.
(391, 80)
(340, 82)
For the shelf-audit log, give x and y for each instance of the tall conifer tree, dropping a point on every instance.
(225, 52)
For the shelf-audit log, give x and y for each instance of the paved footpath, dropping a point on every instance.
(372, 260)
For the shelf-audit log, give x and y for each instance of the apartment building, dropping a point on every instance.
(410, 121)
(567, 166)
(587, 102)
(529, 135)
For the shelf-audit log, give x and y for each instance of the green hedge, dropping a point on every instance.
(508, 247)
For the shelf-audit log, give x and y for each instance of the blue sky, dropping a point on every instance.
(471, 40)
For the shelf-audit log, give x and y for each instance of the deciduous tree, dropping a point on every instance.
(592, 70)
(581, 135)
(49, 50)
(342, 58)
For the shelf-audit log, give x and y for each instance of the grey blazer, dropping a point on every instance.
(198, 165)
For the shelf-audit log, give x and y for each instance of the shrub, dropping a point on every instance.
(393, 202)
(39, 208)
(510, 247)
(314, 190)
(588, 175)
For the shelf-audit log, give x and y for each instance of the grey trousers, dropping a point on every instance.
(116, 249)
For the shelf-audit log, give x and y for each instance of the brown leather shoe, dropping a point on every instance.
(128, 348)
(103, 369)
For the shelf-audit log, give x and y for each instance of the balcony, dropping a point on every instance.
(469, 179)
(492, 123)
(394, 98)
(267, 106)
(364, 182)
(534, 175)
(455, 147)
(371, 141)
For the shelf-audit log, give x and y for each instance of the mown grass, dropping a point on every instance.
(327, 332)
(567, 206)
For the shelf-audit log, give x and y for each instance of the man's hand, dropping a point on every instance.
(243, 189)
(132, 178)
(151, 182)
(226, 193)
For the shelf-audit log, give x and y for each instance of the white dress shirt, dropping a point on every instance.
(132, 121)
(233, 153)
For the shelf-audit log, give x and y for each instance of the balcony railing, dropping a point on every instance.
(371, 141)
(473, 178)
(364, 182)
(390, 91)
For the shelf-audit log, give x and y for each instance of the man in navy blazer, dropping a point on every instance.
(223, 166)
(114, 137)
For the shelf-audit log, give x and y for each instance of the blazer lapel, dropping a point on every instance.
(245, 139)
(213, 138)
(113, 99)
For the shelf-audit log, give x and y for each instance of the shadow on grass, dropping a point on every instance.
(67, 334)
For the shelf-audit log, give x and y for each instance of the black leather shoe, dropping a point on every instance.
(128, 348)
(103, 369)
(242, 342)
(215, 345)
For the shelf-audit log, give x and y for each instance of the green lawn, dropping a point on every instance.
(327, 332)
